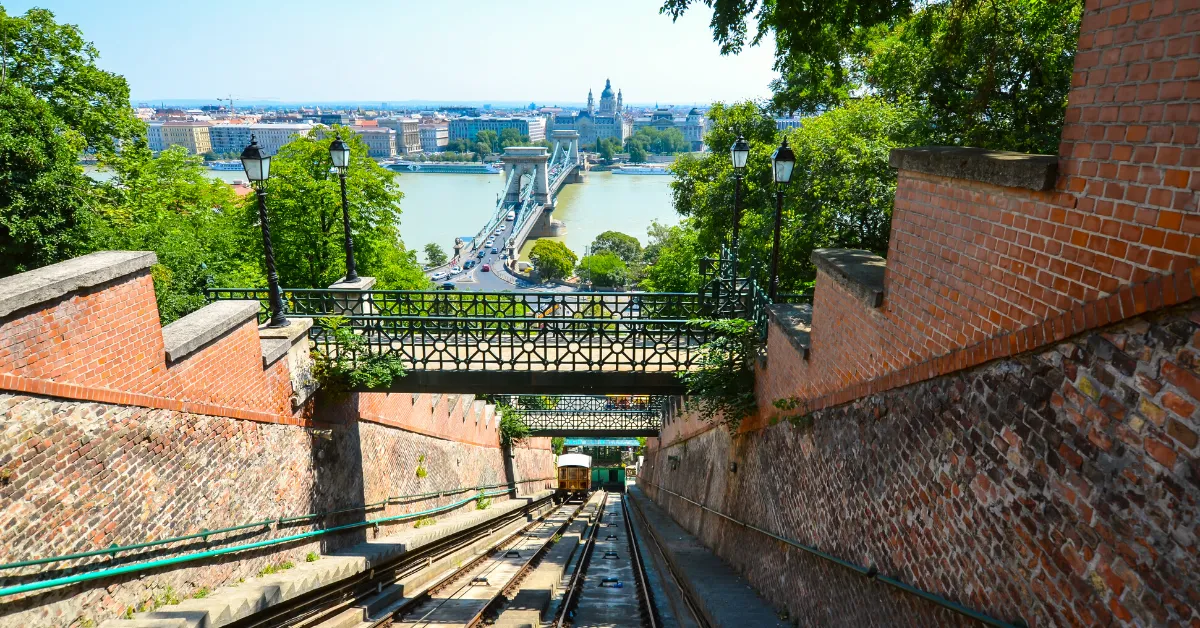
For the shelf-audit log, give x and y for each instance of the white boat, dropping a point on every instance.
(225, 166)
(641, 170)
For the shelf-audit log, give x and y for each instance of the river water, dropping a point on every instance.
(440, 207)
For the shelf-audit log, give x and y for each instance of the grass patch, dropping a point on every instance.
(424, 521)
(484, 503)
(312, 557)
(201, 593)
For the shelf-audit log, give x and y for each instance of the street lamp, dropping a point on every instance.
(739, 152)
(339, 153)
(782, 162)
(257, 164)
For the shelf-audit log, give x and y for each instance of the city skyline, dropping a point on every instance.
(424, 53)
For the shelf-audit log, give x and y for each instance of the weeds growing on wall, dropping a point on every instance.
(721, 389)
(512, 426)
(796, 412)
(352, 366)
(483, 503)
(421, 470)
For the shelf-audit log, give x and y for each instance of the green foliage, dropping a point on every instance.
(623, 245)
(274, 569)
(58, 67)
(305, 210)
(637, 154)
(603, 270)
(721, 388)
(201, 593)
(312, 557)
(557, 443)
(672, 258)
(424, 521)
(513, 428)
(536, 402)
(351, 365)
(489, 139)
(483, 503)
(44, 196)
(421, 471)
(608, 147)
(168, 204)
(841, 192)
(552, 259)
(435, 255)
(651, 140)
(989, 74)
(87, 622)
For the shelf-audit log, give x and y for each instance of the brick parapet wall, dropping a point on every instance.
(1057, 485)
(105, 344)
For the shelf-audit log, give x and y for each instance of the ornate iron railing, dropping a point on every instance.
(581, 414)
(403, 303)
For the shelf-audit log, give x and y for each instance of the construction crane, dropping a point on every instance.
(230, 101)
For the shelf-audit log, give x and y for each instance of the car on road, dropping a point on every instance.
(454, 270)
(469, 265)
(439, 275)
(449, 285)
(495, 250)
(486, 268)
(481, 254)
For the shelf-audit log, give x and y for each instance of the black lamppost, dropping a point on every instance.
(339, 152)
(257, 164)
(782, 162)
(740, 152)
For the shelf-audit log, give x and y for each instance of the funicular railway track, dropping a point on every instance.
(607, 587)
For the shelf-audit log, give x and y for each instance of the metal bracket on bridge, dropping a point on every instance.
(610, 555)
(512, 554)
(613, 583)
(479, 581)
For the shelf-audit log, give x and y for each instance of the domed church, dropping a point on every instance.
(594, 123)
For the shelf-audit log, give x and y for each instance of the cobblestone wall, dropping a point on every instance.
(1058, 487)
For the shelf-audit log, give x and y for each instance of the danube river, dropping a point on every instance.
(441, 207)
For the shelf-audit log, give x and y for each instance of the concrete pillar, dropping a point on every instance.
(526, 160)
(351, 304)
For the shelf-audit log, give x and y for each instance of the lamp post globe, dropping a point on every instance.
(339, 154)
(783, 160)
(257, 164)
(739, 153)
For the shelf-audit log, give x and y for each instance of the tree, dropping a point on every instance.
(604, 270)
(664, 142)
(608, 148)
(623, 245)
(673, 258)
(58, 67)
(989, 74)
(552, 259)
(483, 149)
(841, 192)
(168, 204)
(490, 139)
(44, 195)
(637, 154)
(305, 210)
(435, 255)
(512, 137)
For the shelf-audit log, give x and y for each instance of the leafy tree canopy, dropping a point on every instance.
(623, 245)
(552, 259)
(991, 74)
(305, 209)
(664, 142)
(58, 66)
(604, 269)
(673, 257)
(435, 255)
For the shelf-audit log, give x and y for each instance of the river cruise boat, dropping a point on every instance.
(225, 166)
(641, 170)
(444, 167)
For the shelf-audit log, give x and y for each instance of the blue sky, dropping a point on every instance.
(501, 50)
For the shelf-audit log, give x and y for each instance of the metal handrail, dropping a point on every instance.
(115, 549)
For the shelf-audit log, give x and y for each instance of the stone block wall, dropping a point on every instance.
(1057, 487)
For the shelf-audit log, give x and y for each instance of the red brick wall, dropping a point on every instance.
(105, 344)
(970, 261)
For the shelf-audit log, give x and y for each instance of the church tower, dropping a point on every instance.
(620, 103)
(591, 104)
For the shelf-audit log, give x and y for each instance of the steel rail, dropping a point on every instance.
(581, 567)
(335, 597)
(684, 595)
(639, 570)
(871, 572)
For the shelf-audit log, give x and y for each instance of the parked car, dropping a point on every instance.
(449, 285)
(486, 268)
(495, 250)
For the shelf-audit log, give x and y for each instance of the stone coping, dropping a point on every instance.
(362, 283)
(860, 272)
(50, 282)
(273, 349)
(795, 320)
(1003, 168)
(296, 328)
(192, 332)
